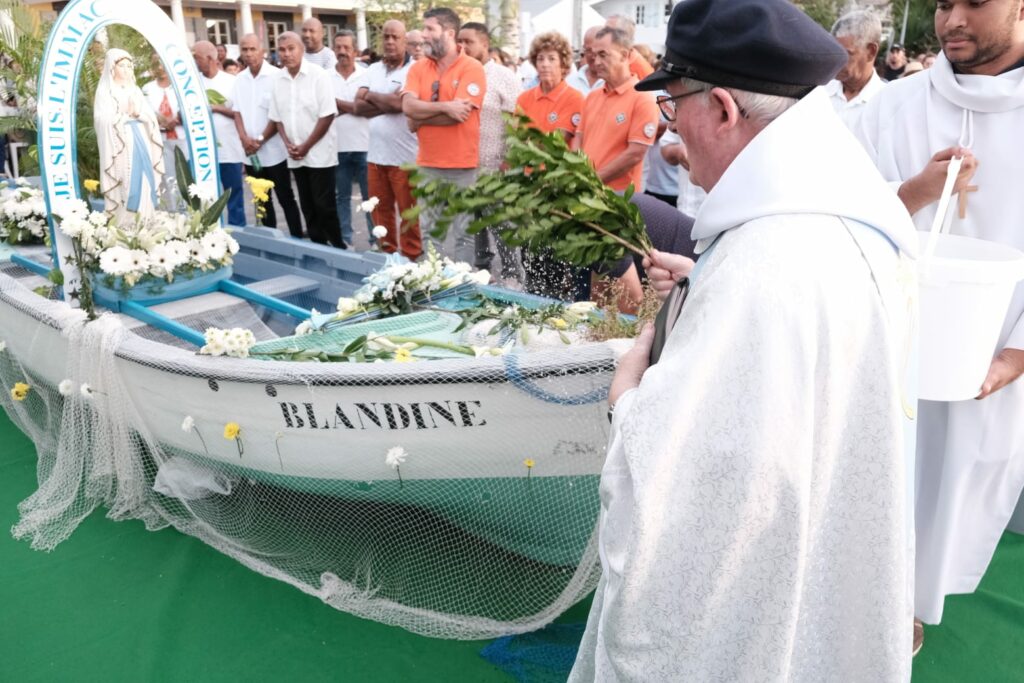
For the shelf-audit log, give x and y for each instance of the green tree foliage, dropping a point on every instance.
(824, 12)
(920, 25)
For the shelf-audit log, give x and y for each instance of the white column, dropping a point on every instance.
(245, 13)
(178, 15)
(307, 10)
(361, 41)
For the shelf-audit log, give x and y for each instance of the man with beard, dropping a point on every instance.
(313, 42)
(970, 104)
(860, 34)
(267, 156)
(442, 99)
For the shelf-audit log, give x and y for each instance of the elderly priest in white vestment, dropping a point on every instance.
(970, 455)
(754, 517)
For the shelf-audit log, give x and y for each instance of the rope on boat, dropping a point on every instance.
(515, 375)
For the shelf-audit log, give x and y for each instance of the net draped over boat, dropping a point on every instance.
(456, 498)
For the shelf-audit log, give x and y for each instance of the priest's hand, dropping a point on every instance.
(1007, 367)
(664, 270)
(632, 365)
(926, 187)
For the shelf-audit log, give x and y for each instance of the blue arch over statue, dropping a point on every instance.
(67, 48)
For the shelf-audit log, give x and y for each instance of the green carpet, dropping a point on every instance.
(117, 603)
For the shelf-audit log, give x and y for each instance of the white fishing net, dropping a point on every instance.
(482, 525)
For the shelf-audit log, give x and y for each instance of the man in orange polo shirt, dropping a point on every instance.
(638, 66)
(619, 124)
(442, 99)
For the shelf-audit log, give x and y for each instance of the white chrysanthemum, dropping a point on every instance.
(232, 244)
(138, 261)
(66, 387)
(115, 261)
(216, 244)
(98, 218)
(72, 226)
(74, 207)
(347, 305)
(86, 391)
(380, 232)
(396, 456)
(369, 205)
(198, 253)
(187, 424)
(303, 328)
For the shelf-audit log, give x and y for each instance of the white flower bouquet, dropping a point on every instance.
(151, 250)
(23, 215)
(399, 285)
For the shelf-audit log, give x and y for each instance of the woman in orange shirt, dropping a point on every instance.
(554, 104)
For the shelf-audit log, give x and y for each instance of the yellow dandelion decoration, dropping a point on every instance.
(20, 391)
(558, 324)
(233, 432)
(91, 185)
(529, 467)
(403, 355)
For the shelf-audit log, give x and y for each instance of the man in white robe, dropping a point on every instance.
(970, 455)
(754, 502)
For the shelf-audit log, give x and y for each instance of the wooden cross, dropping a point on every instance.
(963, 199)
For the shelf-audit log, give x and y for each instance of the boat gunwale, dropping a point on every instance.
(596, 358)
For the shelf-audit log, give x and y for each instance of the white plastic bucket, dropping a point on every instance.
(966, 287)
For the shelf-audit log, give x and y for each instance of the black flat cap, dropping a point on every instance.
(762, 46)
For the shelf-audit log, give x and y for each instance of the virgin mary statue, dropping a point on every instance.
(131, 150)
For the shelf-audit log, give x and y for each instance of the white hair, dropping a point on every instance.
(862, 25)
(759, 108)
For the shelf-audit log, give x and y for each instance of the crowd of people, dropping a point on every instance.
(327, 119)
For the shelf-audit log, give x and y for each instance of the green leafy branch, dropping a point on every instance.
(549, 197)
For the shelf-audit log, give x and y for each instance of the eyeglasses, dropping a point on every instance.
(435, 91)
(667, 104)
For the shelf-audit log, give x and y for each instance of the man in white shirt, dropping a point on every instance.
(860, 32)
(352, 132)
(313, 42)
(503, 89)
(229, 145)
(392, 144)
(266, 152)
(584, 79)
(303, 107)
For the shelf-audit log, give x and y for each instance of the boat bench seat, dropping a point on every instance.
(280, 287)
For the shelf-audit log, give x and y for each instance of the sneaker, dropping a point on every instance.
(918, 637)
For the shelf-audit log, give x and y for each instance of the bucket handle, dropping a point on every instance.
(943, 216)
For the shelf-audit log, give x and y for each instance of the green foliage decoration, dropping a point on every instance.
(548, 197)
